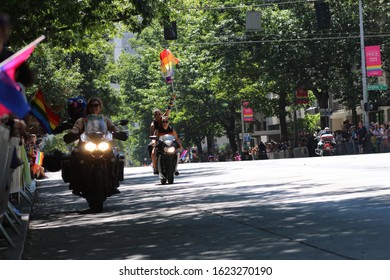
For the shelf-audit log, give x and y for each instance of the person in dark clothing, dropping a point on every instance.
(156, 123)
(262, 151)
(361, 134)
(164, 129)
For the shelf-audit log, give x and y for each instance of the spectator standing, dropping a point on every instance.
(361, 135)
(377, 132)
(33, 150)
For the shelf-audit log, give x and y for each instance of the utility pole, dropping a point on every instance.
(364, 76)
(242, 126)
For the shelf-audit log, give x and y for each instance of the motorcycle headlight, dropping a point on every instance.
(103, 146)
(90, 147)
(170, 150)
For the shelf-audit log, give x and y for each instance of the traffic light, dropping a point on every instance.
(370, 106)
(322, 14)
(366, 107)
(170, 32)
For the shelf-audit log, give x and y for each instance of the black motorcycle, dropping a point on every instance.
(95, 166)
(167, 150)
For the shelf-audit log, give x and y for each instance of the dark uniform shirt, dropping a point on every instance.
(162, 131)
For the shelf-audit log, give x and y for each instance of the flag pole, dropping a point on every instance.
(33, 43)
(173, 98)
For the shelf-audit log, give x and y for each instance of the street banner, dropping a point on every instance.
(373, 61)
(247, 112)
(301, 96)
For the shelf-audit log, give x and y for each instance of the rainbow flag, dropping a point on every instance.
(46, 117)
(11, 99)
(39, 158)
(167, 65)
(10, 64)
(183, 154)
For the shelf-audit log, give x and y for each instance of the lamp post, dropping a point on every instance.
(364, 76)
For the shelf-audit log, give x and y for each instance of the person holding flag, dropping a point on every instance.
(36, 158)
(9, 93)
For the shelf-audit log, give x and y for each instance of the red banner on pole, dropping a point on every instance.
(373, 61)
(301, 96)
(247, 112)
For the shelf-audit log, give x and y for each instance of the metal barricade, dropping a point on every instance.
(300, 152)
(4, 169)
(5, 163)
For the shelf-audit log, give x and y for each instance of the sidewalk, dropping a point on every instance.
(7, 252)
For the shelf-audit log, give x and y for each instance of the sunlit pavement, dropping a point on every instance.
(304, 208)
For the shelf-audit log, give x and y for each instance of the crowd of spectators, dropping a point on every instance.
(351, 139)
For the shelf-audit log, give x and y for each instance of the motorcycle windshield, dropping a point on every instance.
(327, 137)
(95, 124)
(167, 137)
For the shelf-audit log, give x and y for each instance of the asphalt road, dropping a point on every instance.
(331, 208)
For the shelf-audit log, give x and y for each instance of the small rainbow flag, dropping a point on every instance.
(46, 117)
(183, 154)
(39, 158)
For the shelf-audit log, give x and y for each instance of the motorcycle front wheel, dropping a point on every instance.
(97, 196)
(170, 171)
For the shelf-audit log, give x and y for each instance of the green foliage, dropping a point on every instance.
(221, 64)
(54, 142)
(78, 24)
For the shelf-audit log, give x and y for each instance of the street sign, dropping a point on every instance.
(247, 137)
(377, 87)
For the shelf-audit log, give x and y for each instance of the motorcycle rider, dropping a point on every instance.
(164, 129)
(156, 123)
(326, 130)
(94, 108)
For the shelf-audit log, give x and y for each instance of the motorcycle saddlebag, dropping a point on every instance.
(52, 161)
(65, 164)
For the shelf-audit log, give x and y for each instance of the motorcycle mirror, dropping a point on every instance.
(70, 137)
(121, 135)
(123, 122)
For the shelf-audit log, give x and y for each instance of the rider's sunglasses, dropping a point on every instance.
(95, 105)
(165, 121)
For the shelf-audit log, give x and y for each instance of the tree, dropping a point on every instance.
(77, 23)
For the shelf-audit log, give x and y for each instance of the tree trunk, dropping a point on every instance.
(323, 102)
(354, 116)
(282, 116)
(230, 128)
(210, 144)
(232, 141)
(199, 150)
